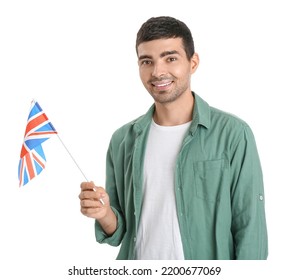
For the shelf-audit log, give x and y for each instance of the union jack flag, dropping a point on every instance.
(32, 157)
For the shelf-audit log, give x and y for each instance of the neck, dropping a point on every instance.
(176, 112)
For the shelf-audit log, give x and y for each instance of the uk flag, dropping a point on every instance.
(32, 157)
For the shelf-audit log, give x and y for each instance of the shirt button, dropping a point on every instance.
(261, 197)
(134, 239)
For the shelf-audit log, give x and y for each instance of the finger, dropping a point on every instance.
(87, 203)
(90, 211)
(93, 195)
(99, 189)
(87, 185)
(88, 195)
(90, 186)
(101, 193)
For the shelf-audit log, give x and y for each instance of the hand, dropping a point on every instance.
(92, 207)
(90, 203)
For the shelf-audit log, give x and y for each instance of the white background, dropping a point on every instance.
(77, 58)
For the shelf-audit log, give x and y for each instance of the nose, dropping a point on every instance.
(159, 69)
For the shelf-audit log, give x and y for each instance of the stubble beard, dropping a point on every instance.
(164, 97)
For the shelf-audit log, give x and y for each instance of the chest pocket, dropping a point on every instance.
(209, 179)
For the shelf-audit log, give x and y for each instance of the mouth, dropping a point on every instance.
(161, 85)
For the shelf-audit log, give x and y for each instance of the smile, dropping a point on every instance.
(161, 85)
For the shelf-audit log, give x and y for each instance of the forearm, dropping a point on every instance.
(109, 222)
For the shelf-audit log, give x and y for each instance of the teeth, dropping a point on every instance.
(163, 85)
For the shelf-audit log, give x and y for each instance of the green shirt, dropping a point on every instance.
(218, 187)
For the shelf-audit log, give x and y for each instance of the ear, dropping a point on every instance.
(194, 62)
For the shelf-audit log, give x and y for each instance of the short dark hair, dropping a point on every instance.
(165, 27)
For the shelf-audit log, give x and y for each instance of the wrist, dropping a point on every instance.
(108, 222)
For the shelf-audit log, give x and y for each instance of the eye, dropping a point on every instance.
(171, 59)
(146, 62)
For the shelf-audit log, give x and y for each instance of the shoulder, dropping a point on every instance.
(229, 124)
(126, 132)
(134, 127)
(214, 119)
(218, 115)
(124, 129)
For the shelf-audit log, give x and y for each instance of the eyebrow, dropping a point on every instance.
(168, 53)
(163, 54)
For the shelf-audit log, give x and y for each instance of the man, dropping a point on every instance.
(184, 180)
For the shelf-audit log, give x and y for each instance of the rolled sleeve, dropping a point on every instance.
(116, 238)
(111, 187)
(247, 194)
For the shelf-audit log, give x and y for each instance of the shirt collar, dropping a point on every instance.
(200, 116)
(201, 113)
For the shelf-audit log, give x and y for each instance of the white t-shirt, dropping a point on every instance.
(158, 236)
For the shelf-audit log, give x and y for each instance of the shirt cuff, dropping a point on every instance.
(116, 238)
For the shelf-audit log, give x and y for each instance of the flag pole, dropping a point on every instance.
(77, 164)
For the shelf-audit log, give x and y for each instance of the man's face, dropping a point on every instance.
(164, 69)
